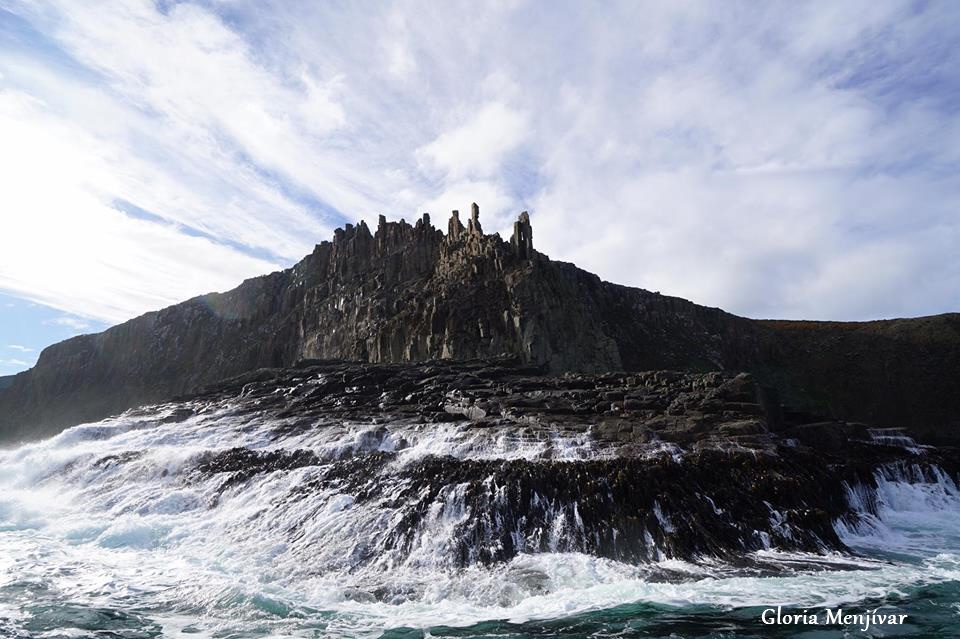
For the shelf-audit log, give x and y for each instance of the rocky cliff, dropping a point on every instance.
(413, 293)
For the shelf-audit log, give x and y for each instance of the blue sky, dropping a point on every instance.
(779, 159)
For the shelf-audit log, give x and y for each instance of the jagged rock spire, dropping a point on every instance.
(455, 227)
(522, 238)
(473, 224)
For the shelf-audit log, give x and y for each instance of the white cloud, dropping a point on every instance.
(210, 107)
(62, 241)
(478, 146)
(18, 347)
(397, 49)
(776, 160)
(15, 362)
(74, 323)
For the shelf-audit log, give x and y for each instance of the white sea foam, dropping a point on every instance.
(108, 514)
(913, 510)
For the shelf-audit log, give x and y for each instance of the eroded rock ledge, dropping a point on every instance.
(668, 407)
(665, 464)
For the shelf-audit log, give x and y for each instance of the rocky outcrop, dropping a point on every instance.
(522, 239)
(412, 293)
(633, 467)
(502, 396)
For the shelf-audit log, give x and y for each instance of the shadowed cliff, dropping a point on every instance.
(412, 293)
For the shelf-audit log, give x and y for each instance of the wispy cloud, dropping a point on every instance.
(17, 363)
(477, 147)
(74, 323)
(778, 160)
(18, 347)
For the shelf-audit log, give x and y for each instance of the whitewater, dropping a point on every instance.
(113, 529)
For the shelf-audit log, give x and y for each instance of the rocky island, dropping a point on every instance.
(413, 420)
(412, 293)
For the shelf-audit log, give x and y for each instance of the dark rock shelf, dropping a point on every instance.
(669, 464)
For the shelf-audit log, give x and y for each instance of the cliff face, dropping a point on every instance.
(901, 372)
(413, 293)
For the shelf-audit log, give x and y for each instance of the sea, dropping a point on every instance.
(109, 530)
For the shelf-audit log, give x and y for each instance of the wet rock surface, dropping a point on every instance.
(634, 467)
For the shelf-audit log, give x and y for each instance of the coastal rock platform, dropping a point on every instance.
(635, 467)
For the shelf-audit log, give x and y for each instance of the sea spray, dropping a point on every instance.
(228, 518)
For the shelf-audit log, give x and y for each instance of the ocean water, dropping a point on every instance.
(112, 529)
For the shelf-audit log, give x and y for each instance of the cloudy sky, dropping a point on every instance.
(794, 160)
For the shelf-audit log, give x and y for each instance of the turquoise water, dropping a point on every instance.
(108, 531)
(932, 612)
